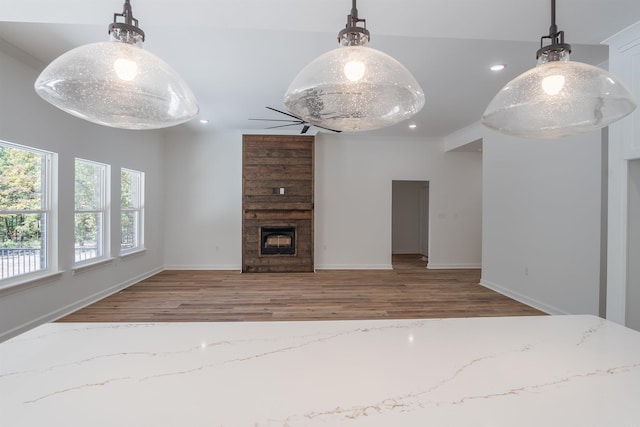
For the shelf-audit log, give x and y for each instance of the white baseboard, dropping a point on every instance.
(432, 266)
(75, 306)
(204, 267)
(354, 267)
(522, 298)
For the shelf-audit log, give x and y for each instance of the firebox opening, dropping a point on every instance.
(277, 240)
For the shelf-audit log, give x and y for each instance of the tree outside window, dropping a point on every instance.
(24, 209)
(131, 210)
(90, 210)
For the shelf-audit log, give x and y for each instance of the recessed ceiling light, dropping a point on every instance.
(204, 121)
(412, 126)
(497, 67)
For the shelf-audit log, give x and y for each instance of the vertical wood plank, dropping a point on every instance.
(271, 163)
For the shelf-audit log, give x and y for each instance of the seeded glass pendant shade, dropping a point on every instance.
(354, 87)
(558, 97)
(117, 83)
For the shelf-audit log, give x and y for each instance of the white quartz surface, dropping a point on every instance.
(490, 372)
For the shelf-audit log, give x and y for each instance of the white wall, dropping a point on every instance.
(541, 231)
(353, 178)
(27, 120)
(424, 219)
(204, 201)
(353, 208)
(455, 194)
(624, 146)
(633, 265)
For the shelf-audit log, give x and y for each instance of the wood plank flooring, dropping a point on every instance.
(407, 291)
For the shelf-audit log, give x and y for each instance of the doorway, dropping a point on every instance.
(410, 217)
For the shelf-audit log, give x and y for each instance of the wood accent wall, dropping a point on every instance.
(269, 163)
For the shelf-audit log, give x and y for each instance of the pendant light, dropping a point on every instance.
(558, 97)
(117, 83)
(354, 87)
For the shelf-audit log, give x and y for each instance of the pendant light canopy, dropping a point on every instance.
(354, 87)
(117, 83)
(558, 97)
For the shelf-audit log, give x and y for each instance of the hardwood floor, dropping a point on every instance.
(407, 291)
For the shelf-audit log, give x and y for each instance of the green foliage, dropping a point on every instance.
(86, 229)
(20, 179)
(126, 200)
(130, 182)
(20, 190)
(89, 184)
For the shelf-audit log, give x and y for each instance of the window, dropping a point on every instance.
(25, 183)
(131, 210)
(91, 215)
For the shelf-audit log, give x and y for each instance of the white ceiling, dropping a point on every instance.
(240, 56)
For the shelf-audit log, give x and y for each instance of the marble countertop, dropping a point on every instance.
(490, 372)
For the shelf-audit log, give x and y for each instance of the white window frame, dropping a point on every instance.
(48, 253)
(101, 210)
(137, 200)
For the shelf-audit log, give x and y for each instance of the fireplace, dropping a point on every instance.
(277, 204)
(277, 240)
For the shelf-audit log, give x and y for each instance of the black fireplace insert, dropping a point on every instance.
(277, 240)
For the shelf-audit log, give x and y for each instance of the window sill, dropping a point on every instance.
(133, 253)
(81, 268)
(29, 281)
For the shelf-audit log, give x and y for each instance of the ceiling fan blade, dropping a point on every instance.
(283, 126)
(299, 122)
(332, 130)
(285, 113)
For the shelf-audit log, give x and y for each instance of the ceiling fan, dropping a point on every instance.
(293, 121)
